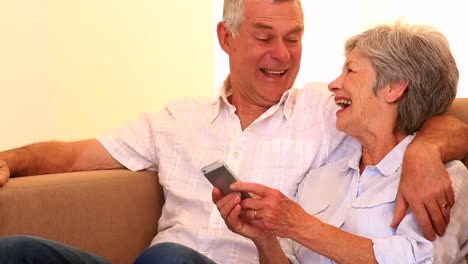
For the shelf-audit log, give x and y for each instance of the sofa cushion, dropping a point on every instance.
(112, 213)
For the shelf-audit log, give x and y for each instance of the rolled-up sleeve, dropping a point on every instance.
(134, 144)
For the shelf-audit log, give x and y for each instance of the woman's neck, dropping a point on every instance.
(376, 147)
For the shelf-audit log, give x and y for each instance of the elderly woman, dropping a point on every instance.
(395, 77)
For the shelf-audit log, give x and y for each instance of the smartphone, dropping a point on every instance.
(221, 177)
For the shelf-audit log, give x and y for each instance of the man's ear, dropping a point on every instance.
(395, 91)
(224, 37)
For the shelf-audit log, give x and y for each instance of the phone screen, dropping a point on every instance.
(221, 177)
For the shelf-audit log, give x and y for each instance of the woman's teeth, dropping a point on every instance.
(278, 73)
(343, 103)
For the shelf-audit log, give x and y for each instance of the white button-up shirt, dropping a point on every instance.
(363, 204)
(276, 150)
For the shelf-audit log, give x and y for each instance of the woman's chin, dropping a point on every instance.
(340, 126)
(346, 127)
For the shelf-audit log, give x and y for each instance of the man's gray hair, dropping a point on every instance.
(418, 54)
(233, 13)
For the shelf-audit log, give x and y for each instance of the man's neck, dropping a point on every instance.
(248, 117)
(249, 107)
(247, 113)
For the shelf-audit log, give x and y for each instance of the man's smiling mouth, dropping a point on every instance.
(275, 73)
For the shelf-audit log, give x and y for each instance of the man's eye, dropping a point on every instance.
(263, 39)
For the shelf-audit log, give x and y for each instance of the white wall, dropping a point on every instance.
(71, 70)
(27, 98)
(329, 23)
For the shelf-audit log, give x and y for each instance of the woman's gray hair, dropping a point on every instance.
(233, 13)
(418, 54)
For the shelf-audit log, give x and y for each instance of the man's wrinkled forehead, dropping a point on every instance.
(276, 2)
(297, 29)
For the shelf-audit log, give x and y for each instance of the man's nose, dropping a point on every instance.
(280, 51)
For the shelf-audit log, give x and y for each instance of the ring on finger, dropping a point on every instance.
(445, 206)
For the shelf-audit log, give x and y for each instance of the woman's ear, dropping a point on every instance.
(395, 91)
(224, 37)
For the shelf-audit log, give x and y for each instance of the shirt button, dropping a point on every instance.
(236, 154)
(348, 206)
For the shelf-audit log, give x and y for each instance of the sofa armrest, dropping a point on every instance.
(112, 213)
(459, 109)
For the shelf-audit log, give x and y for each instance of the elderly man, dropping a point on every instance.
(264, 130)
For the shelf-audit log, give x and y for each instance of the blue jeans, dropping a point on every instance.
(171, 253)
(21, 249)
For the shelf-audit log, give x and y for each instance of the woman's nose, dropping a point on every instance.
(335, 85)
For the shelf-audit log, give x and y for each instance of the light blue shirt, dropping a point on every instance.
(363, 204)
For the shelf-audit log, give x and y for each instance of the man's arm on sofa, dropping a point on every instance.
(55, 157)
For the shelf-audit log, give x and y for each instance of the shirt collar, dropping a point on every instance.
(287, 101)
(221, 99)
(390, 163)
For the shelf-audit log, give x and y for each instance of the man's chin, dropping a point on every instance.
(275, 85)
(273, 98)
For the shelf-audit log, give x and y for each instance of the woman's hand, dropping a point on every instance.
(271, 211)
(232, 213)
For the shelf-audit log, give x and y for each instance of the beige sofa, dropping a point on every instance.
(112, 213)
